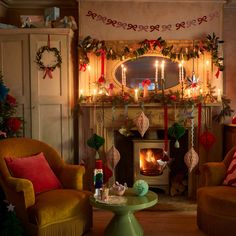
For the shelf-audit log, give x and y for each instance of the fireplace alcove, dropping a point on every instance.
(176, 169)
(97, 118)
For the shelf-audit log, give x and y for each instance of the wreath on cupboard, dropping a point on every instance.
(49, 66)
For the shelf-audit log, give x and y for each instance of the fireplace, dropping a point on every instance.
(148, 164)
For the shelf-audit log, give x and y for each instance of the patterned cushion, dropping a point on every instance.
(230, 178)
(36, 169)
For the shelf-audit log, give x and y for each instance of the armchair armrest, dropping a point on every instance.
(71, 176)
(25, 186)
(214, 173)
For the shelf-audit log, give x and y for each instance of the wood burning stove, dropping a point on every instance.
(148, 163)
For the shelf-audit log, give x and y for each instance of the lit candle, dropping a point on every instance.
(81, 92)
(207, 72)
(156, 72)
(122, 74)
(162, 69)
(89, 79)
(135, 95)
(124, 77)
(94, 94)
(189, 93)
(219, 95)
(180, 73)
(201, 92)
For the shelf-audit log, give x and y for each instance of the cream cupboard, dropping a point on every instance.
(46, 104)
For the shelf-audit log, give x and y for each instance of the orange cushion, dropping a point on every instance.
(230, 178)
(36, 169)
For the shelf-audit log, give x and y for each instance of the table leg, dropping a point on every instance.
(124, 224)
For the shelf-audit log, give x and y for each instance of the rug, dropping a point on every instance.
(176, 203)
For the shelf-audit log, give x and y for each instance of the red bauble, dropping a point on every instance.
(14, 124)
(234, 120)
(207, 139)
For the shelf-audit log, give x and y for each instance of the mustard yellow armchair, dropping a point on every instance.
(216, 203)
(64, 211)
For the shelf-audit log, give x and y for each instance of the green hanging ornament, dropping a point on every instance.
(176, 131)
(95, 141)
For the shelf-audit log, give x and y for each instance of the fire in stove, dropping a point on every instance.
(151, 163)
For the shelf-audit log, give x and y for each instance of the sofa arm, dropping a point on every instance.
(71, 176)
(19, 185)
(213, 173)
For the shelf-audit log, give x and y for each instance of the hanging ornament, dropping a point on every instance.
(191, 159)
(112, 157)
(207, 139)
(95, 141)
(142, 123)
(176, 131)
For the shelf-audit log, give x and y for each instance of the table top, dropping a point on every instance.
(132, 202)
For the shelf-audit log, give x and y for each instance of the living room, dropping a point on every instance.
(146, 86)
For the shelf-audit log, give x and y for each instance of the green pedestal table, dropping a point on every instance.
(124, 222)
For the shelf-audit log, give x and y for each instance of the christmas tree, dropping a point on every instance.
(9, 124)
(9, 223)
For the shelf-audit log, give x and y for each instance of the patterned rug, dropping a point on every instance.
(176, 203)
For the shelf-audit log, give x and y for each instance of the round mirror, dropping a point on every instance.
(134, 71)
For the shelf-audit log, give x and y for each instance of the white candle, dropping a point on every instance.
(94, 94)
(162, 69)
(122, 74)
(81, 92)
(201, 91)
(207, 72)
(180, 73)
(124, 77)
(89, 79)
(219, 96)
(189, 93)
(136, 95)
(156, 72)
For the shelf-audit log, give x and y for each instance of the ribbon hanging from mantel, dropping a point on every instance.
(165, 151)
(199, 120)
(48, 70)
(101, 80)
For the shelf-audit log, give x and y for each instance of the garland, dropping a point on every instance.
(153, 27)
(209, 44)
(48, 69)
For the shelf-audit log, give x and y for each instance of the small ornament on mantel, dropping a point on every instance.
(142, 123)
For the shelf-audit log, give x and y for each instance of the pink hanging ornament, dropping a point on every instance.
(142, 123)
(191, 159)
(113, 157)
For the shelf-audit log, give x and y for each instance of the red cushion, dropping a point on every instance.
(230, 178)
(36, 169)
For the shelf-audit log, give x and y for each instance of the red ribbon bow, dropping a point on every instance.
(146, 82)
(48, 71)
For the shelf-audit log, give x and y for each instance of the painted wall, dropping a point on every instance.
(229, 36)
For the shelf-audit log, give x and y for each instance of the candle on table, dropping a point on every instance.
(135, 95)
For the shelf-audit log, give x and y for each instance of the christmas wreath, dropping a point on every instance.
(53, 61)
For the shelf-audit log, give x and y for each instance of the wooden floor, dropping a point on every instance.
(154, 223)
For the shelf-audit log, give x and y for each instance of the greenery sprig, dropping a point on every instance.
(209, 44)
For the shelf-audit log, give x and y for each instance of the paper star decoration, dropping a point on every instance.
(10, 207)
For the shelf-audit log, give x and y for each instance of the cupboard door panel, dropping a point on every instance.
(14, 64)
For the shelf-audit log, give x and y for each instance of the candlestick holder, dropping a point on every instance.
(156, 86)
(122, 90)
